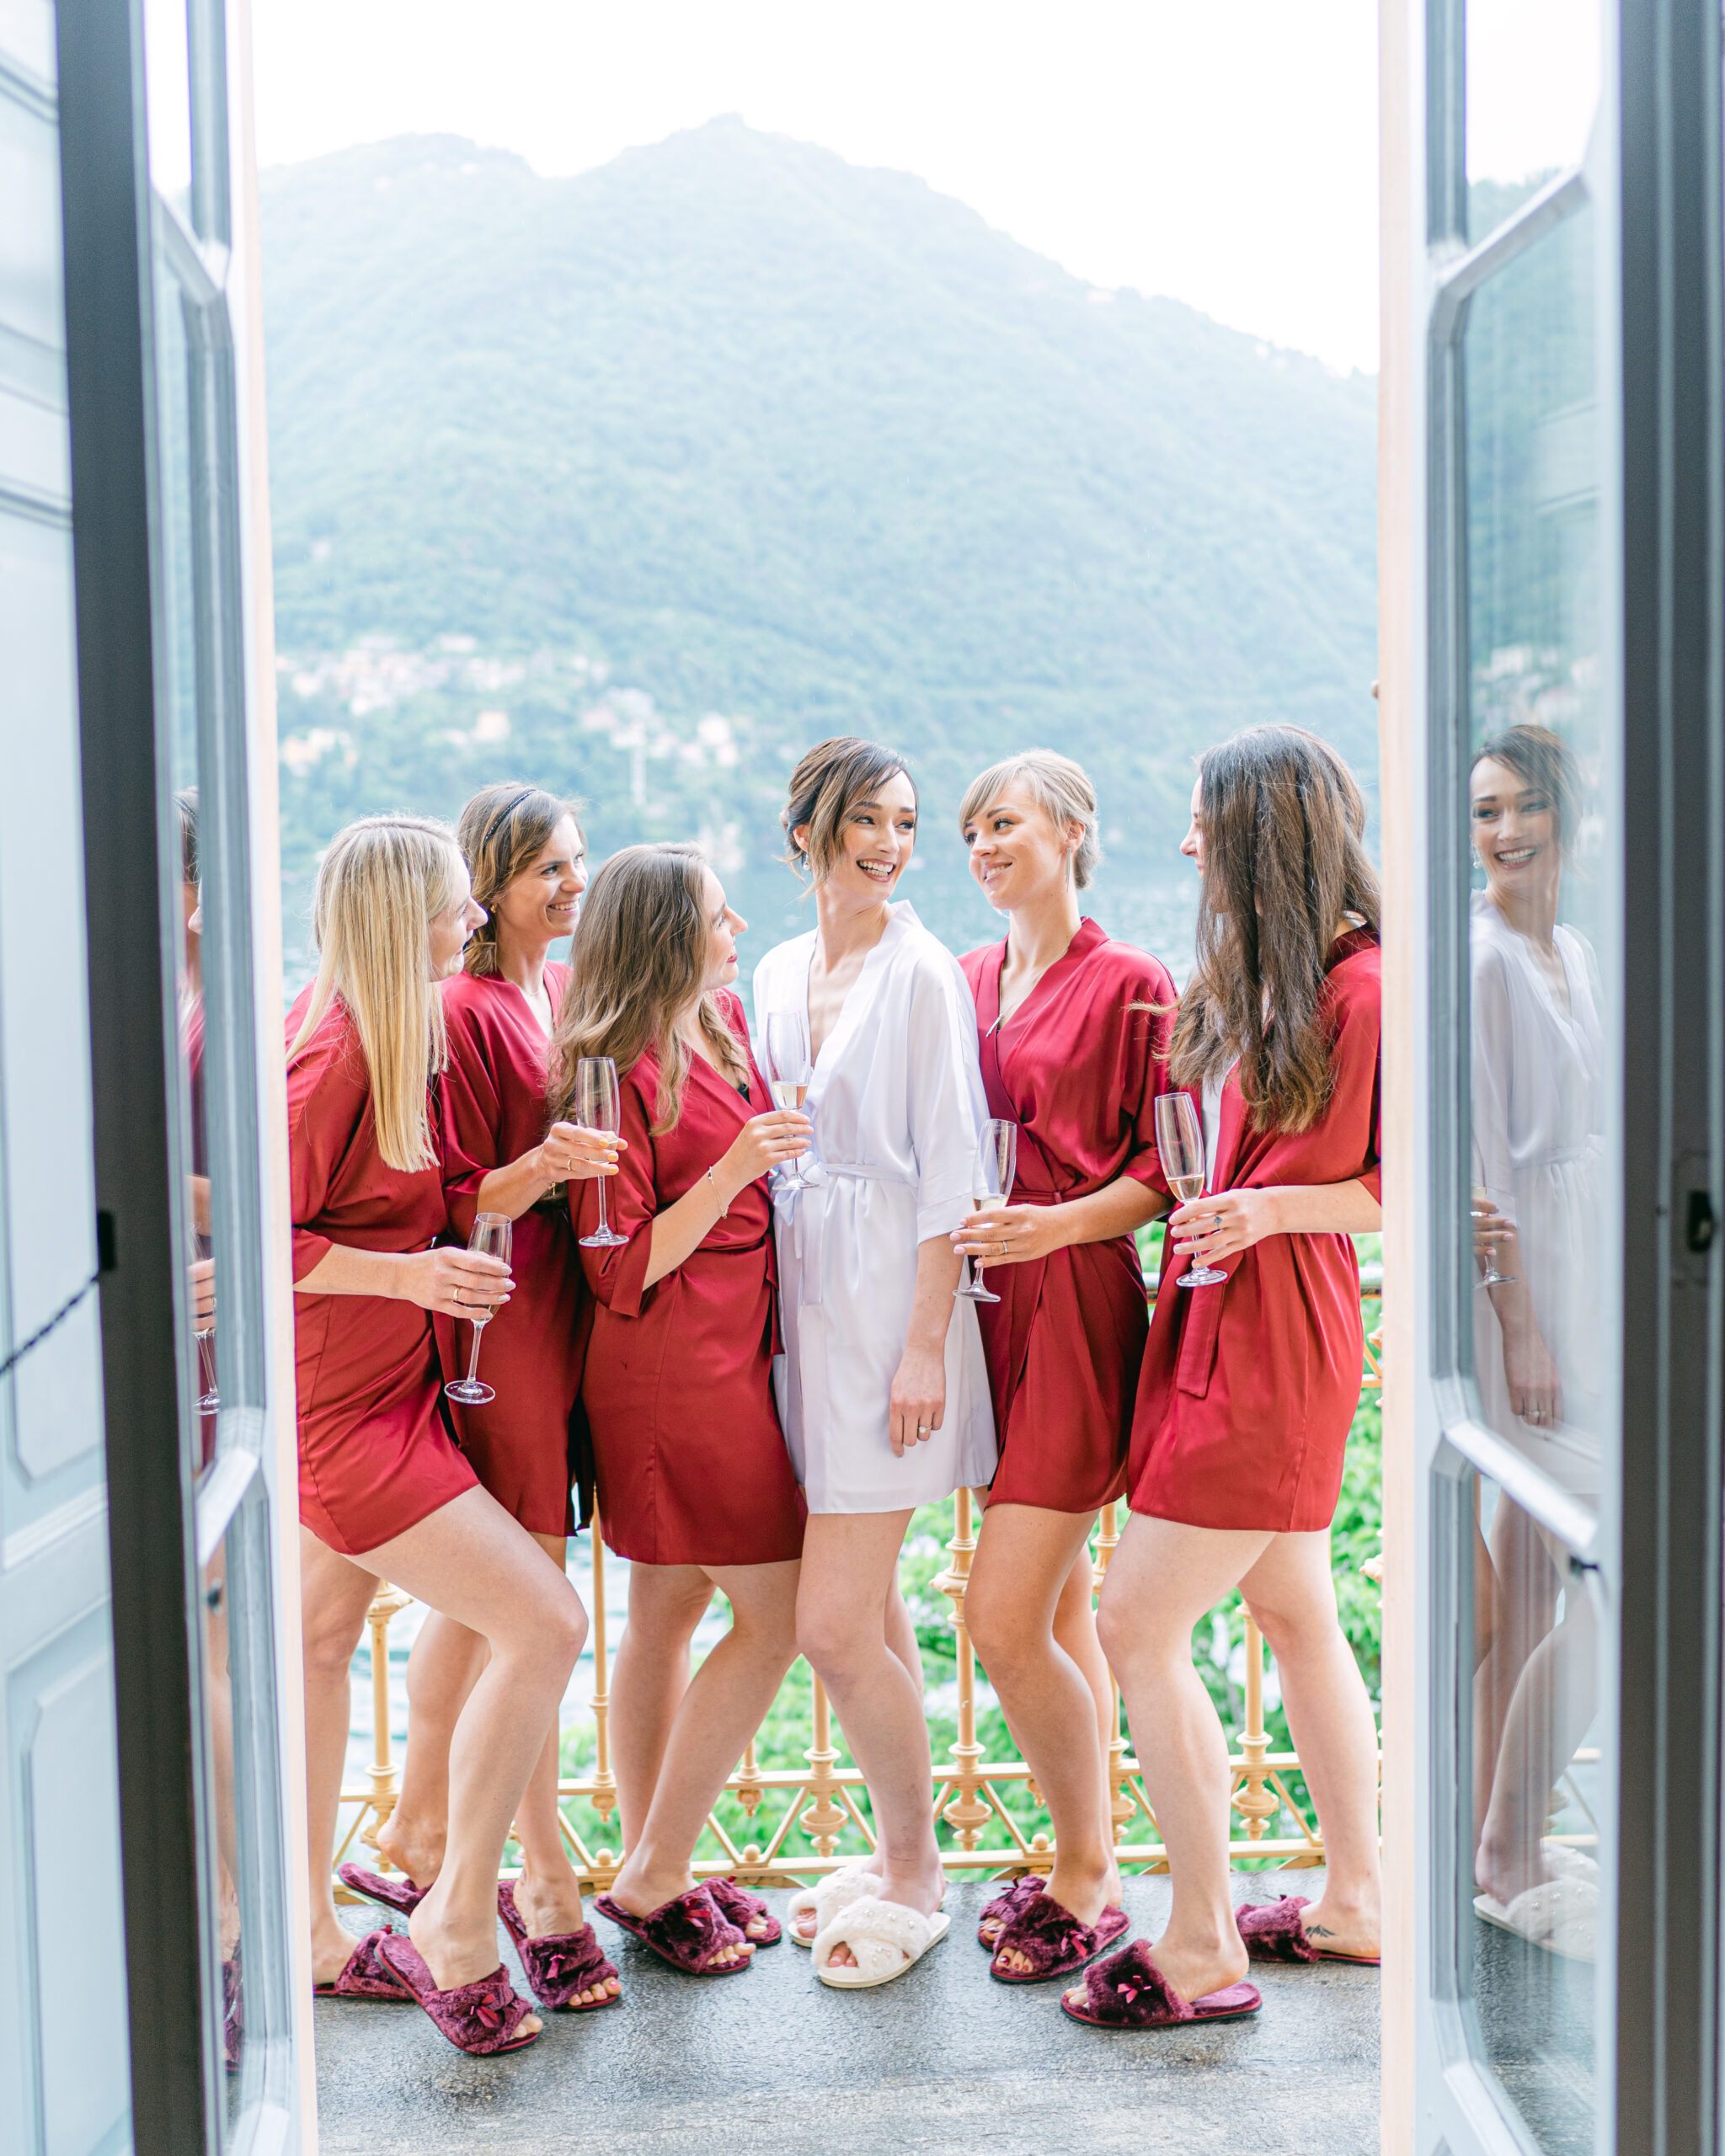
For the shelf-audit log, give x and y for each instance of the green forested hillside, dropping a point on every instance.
(637, 482)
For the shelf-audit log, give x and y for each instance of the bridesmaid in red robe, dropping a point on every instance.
(383, 1490)
(695, 1485)
(525, 855)
(1248, 1388)
(1075, 1031)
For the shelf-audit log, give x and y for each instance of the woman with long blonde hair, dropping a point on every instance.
(383, 1490)
(526, 854)
(694, 1485)
(1249, 1387)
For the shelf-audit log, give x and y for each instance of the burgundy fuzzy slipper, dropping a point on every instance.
(480, 2018)
(363, 1976)
(687, 1932)
(399, 1894)
(1052, 1939)
(740, 1908)
(1273, 1932)
(1006, 1905)
(1128, 1991)
(561, 1965)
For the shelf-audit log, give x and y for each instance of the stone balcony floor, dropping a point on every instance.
(944, 2063)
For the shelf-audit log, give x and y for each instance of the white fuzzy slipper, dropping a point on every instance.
(886, 1938)
(826, 1899)
(1557, 1916)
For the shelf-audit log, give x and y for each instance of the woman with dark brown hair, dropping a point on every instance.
(883, 1388)
(694, 1485)
(525, 852)
(1248, 1389)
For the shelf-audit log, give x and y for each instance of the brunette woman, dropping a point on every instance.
(1248, 1389)
(1074, 1030)
(885, 1392)
(694, 1485)
(383, 1490)
(525, 852)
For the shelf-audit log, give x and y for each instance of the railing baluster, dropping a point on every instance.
(968, 1812)
(1256, 1804)
(1121, 1807)
(382, 1773)
(823, 1822)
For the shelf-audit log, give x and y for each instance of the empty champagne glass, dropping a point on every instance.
(991, 1173)
(1179, 1137)
(494, 1234)
(599, 1107)
(793, 1073)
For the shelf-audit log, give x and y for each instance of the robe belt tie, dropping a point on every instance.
(814, 1253)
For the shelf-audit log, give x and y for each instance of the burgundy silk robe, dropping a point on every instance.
(493, 1094)
(1077, 1067)
(376, 1457)
(1248, 1390)
(692, 1463)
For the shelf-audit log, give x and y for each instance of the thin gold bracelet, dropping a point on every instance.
(724, 1209)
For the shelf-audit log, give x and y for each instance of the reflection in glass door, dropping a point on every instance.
(1525, 824)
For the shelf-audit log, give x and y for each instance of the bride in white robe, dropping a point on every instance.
(898, 1107)
(883, 1390)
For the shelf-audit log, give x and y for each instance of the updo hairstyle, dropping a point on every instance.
(1060, 788)
(825, 786)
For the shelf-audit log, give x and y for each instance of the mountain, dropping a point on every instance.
(637, 483)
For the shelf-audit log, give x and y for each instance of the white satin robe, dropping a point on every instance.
(898, 1107)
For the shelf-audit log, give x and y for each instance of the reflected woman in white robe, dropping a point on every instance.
(1538, 1147)
(882, 1389)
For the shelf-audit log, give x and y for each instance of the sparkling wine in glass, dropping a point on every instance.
(599, 1107)
(991, 1173)
(1179, 1137)
(792, 1070)
(1491, 1278)
(494, 1234)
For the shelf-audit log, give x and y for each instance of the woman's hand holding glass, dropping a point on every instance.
(456, 1282)
(571, 1153)
(765, 1142)
(1013, 1234)
(1220, 1225)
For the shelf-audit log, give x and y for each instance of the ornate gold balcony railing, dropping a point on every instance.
(804, 1813)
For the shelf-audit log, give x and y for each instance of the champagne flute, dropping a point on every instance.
(793, 1073)
(494, 1234)
(991, 1173)
(599, 1107)
(1179, 1137)
(1491, 1278)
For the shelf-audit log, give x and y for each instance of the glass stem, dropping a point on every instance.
(473, 1357)
(604, 1225)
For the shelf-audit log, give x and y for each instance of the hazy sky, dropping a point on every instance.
(1220, 151)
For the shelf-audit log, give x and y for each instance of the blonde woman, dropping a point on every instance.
(383, 1491)
(1075, 1038)
(527, 858)
(884, 1392)
(694, 1486)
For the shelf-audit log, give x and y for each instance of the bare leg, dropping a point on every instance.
(1164, 1578)
(1525, 1606)
(901, 1636)
(482, 1568)
(849, 1574)
(1291, 1591)
(334, 1596)
(648, 1679)
(1548, 1718)
(442, 1670)
(1025, 1563)
(721, 1709)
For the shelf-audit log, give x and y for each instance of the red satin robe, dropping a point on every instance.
(376, 1457)
(1078, 1070)
(692, 1463)
(1248, 1390)
(493, 1094)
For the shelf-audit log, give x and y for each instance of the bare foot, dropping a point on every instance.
(1086, 1899)
(416, 1850)
(1505, 1869)
(926, 1894)
(641, 1896)
(1335, 1929)
(331, 1949)
(1194, 1971)
(455, 1958)
(551, 1907)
